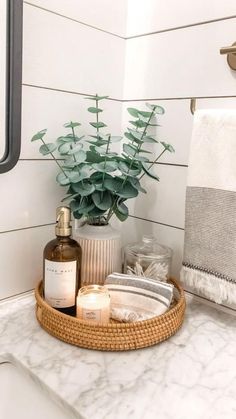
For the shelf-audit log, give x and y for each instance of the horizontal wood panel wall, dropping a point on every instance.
(64, 59)
(63, 44)
(169, 60)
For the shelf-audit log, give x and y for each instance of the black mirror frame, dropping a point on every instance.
(13, 85)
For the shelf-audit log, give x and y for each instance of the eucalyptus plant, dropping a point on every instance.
(99, 181)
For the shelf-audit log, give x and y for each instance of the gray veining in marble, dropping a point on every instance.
(192, 375)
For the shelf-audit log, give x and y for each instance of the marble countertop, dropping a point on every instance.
(191, 375)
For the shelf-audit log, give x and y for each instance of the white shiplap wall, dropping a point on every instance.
(69, 50)
(172, 54)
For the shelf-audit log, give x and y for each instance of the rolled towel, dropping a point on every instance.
(135, 298)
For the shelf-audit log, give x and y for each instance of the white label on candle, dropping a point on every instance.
(93, 307)
(92, 315)
(60, 283)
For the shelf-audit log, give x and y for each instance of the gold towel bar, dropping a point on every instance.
(193, 105)
(231, 55)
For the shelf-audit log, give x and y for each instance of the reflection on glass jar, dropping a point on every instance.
(148, 258)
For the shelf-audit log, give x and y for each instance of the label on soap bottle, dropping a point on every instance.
(60, 283)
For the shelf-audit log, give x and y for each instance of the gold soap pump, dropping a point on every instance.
(63, 217)
(62, 263)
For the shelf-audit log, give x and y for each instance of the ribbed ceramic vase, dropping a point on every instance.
(101, 252)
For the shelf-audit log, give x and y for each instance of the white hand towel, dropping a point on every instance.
(209, 263)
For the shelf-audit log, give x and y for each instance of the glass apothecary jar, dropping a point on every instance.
(148, 258)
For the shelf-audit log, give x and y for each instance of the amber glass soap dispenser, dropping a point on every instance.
(62, 261)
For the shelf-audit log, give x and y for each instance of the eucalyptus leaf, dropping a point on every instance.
(149, 173)
(136, 184)
(80, 155)
(127, 191)
(62, 179)
(47, 148)
(141, 158)
(39, 135)
(122, 208)
(96, 176)
(75, 149)
(136, 134)
(93, 157)
(64, 148)
(138, 124)
(96, 97)
(77, 215)
(156, 109)
(72, 124)
(120, 187)
(144, 119)
(125, 168)
(96, 212)
(97, 143)
(94, 110)
(128, 149)
(102, 200)
(145, 114)
(122, 217)
(100, 186)
(98, 124)
(66, 198)
(133, 112)
(113, 184)
(132, 151)
(74, 205)
(68, 139)
(109, 166)
(84, 188)
(100, 150)
(85, 207)
(132, 138)
(74, 176)
(168, 147)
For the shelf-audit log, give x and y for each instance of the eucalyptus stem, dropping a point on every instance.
(158, 157)
(55, 160)
(111, 212)
(73, 133)
(139, 146)
(105, 161)
(97, 119)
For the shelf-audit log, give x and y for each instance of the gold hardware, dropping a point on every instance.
(193, 105)
(231, 55)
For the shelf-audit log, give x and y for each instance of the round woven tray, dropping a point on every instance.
(111, 336)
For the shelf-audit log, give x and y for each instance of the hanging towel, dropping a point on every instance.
(209, 262)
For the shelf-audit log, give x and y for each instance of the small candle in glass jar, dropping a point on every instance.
(93, 304)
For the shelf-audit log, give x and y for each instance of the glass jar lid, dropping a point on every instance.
(149, 248)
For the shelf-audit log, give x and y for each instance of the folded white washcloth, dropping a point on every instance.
(135, 298)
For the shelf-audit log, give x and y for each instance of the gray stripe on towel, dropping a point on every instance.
(210, 231)
(141, 282)
(138, 293)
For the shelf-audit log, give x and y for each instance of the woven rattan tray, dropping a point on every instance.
(111, 336)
